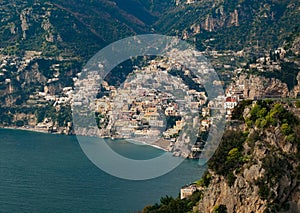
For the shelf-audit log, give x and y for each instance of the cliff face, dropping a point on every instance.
(265, 175)
(244, 194)
(258, 86)
(223, 20)
(235, 25)
(296, 90)
(239, 198)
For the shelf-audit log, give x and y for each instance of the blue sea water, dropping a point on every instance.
(50, 173)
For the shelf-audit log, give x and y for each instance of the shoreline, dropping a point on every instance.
(31, 129)
(27, 129)
(144, 143)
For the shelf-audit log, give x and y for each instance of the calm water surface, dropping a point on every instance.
(50, 173)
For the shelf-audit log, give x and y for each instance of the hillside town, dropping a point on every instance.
(154, 106)
(150, 106)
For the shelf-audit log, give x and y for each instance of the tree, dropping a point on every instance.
(19, 123)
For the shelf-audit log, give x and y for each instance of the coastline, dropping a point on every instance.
(145, 143)
(27, 129)
(33, 129)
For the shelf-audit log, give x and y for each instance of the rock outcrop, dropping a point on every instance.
(242, 197)
(268, 178)
(260, 87)
(296, 46)
(296, 90)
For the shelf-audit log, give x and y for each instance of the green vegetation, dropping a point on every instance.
(64, 115)
(187, 79)
(20, 123)
(174, 205)
(238, 111)
(171, 121)
(258, 27)
(205, 180)
(297, 103)
(101, 120)
(60, 117)
(286, 129)
(228, 157)
(220, 209)
(263, 25)
(266, 114)
(102, 22)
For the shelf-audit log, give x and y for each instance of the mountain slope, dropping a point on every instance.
(236, 25)
(72, 27)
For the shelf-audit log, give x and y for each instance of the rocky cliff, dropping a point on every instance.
(260, 173)
(256, 168)
(258, 87)
(227, 24)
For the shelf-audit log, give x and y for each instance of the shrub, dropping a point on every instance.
(238, 111)
(230, 179)
(226, 158)
(233, 154)
(205, 180)
(220, 209)
(264, 191)
(176, 205)
(254, 112)
(286, 129)
(291, 138)
(262, 113)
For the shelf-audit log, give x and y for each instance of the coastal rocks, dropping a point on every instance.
(266, 180)
(295, 203)
(242, 197)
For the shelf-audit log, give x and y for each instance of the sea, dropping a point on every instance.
(50, 173)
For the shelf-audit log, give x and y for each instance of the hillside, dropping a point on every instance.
(251, 43)
(75, 28)
(255, 168)
(44, 45)
(235, 25)
(80, 28)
